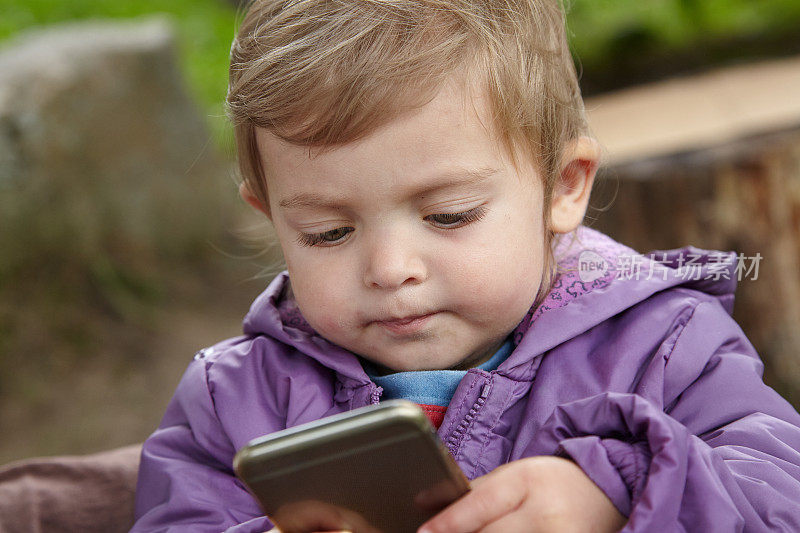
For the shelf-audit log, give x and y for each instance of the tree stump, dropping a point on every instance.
(714, 161)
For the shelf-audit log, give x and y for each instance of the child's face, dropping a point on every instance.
(417, 247)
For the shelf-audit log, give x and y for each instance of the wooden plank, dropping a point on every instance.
(698, 112)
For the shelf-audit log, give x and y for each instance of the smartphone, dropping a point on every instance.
(380, 468)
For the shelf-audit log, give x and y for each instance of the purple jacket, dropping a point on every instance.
(632, 367)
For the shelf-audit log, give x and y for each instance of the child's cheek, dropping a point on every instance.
(324, 314)
(330, 324)
(508, 292)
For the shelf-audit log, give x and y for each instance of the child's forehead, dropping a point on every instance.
(466, 87)
(436, 161)
(457, 118)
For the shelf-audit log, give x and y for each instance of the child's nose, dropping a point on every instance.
(393, 262)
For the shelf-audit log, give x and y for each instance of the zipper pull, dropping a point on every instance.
(375, 397)
(485, 390)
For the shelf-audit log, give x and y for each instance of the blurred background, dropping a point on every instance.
(124, 248)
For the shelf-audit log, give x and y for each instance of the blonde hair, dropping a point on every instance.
(327, 72)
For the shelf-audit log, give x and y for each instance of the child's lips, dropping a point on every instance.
(408, 325)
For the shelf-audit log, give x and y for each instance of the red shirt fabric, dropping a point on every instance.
(435, 413)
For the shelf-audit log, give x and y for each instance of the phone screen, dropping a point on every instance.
(376, 469)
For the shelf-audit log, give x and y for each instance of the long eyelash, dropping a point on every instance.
(309, 239)
(473, 215)
(316, 239)
(465, 217)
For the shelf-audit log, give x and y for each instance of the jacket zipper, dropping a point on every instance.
(375, 395)
(454, 440)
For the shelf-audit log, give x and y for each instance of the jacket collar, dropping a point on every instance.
(275, 313)
(598, 278)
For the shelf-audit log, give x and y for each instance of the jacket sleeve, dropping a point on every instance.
(721, 453)
(186, 482)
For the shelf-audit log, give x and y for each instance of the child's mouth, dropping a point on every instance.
(405, 325)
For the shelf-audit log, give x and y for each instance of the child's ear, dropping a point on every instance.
(250, 198)
(571, 193)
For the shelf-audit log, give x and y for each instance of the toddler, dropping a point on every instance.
(426, 166)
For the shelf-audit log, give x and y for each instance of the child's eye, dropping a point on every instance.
(456, 220)
(326, 238)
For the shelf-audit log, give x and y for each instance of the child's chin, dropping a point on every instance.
(418, 366)
(408, 365)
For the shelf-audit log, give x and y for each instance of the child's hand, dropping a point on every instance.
(536, 494)
(314, 516)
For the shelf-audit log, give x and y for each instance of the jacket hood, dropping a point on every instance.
(596, 278)
(275, 314)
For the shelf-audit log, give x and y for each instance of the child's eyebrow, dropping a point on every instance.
(452, 178)
(310, 200)
(455, 178)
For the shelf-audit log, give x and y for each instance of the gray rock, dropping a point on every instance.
(102, 152)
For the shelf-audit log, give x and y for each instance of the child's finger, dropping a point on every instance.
(489, 499)
(514, 523)
(311, 516)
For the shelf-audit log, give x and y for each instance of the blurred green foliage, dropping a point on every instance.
(597, 25)
(612, 35)
(205, 29)
(626, 42)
